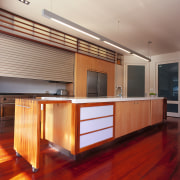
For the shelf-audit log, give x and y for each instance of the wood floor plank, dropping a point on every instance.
(150, 155)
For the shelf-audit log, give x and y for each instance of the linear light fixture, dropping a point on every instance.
(144, 58)
(69, 24)
(89, 33)
(117, 47)
(25, 2)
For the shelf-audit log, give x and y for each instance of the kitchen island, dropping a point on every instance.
(79, 124)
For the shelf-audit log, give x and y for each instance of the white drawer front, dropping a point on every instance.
(92, 138)
(95, 111)
(93, 125)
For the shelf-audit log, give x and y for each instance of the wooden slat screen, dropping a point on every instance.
(95, 51)
(27, 59)
(18, 26)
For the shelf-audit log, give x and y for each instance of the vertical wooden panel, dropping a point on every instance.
(27, 130)
(156, 111)
(165, 108)
(43, 119)
(122, 118)
(58, 124)
(70, 89)
(85, 63)
(75, 126)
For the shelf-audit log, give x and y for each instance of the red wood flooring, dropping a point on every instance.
(150, 155)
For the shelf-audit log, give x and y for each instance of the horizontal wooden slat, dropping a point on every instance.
(26, 59)
(19, 26)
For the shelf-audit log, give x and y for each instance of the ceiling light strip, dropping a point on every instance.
(117, 47)
(89, 33)
(69, 24)
(76, 29)
(144, 58)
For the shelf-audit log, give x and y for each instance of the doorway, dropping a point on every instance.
(136, 81)
(168, 86)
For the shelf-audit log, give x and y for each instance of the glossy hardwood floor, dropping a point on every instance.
(152, 154)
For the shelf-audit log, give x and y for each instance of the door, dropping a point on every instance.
(168, 86)
(102, 84)
(92, 80)
(136, 81)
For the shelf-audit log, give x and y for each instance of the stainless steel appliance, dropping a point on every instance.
(62, 92)
(96, 84)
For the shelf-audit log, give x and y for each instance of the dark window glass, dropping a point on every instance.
(168, 81)
(172, 108)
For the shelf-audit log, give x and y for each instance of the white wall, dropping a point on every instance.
(119, 77)
(17, 85)
(151, 73)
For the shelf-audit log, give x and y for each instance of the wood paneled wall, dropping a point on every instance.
(85, 63)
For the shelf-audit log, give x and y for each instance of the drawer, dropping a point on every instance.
(95, 137)
(95, 111)
(95, 124)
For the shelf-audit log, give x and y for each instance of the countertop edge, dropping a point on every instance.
(99, 100)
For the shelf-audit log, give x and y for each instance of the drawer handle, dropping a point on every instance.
(23, 106)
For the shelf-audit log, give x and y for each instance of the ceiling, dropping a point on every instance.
(131, 23)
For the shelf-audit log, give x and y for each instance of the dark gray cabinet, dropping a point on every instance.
(96, 84)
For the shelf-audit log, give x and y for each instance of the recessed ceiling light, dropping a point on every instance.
(25, 2)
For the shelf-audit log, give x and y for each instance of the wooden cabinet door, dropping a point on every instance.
(156, 111)
(8, 110)
(143, 114)
(122, 119)
(131, 116)
(126, 115)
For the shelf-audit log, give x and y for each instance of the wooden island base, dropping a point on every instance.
(78, 126)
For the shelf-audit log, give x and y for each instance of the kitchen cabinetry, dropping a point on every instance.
(96, 124)
(78, 124)
(7, 109)
(156, 111)
(39, 61)
(85, 63)
(131, 116)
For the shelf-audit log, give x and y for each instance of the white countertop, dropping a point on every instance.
(98, 99)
